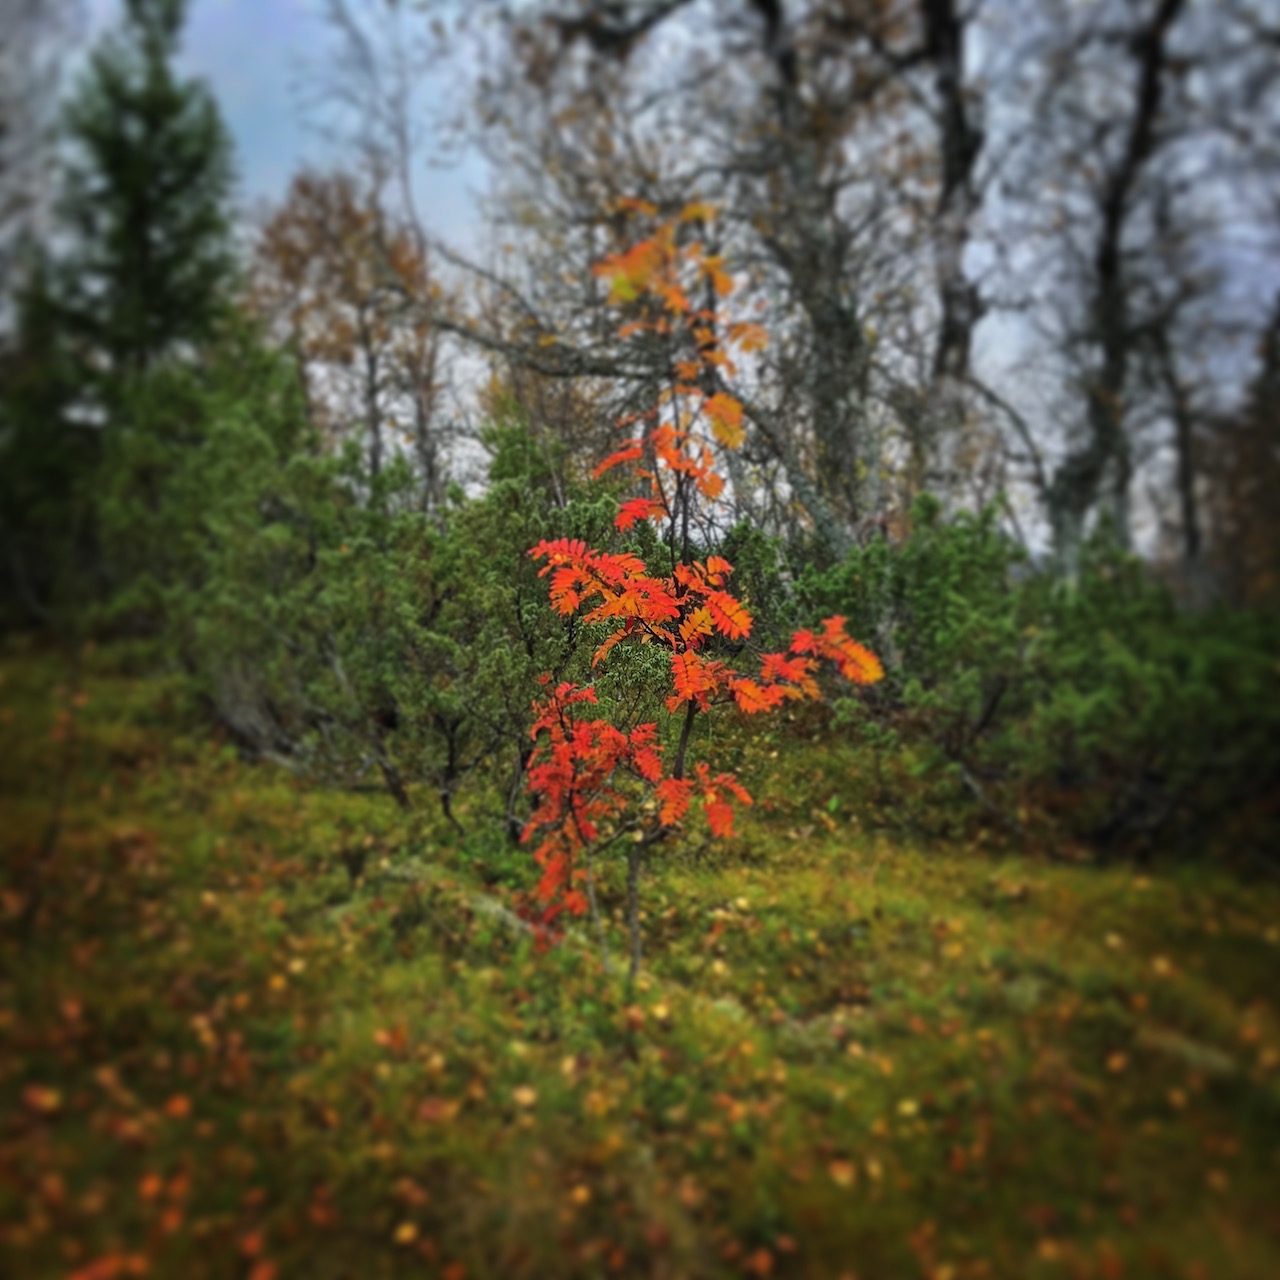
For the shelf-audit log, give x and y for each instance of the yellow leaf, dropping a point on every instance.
(700, 210)
(725, 414)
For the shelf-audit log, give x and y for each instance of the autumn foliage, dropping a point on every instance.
(593, 783)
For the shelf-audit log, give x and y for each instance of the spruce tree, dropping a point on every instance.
(45, 464)
(134, 283)
(146, 202)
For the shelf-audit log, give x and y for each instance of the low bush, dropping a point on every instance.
(1086, 711)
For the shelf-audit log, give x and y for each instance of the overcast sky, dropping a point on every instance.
(256, 56)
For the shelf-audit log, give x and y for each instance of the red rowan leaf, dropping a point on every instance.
(628, 453)
(792, 675)
(635, 509)
(559, 551)
(618, 568)
(648, 763)
(564, 596)
(719, 817)
(777, 666)
(804, 642)
(674, 794)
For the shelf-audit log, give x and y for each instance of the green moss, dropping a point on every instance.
(253, 1016)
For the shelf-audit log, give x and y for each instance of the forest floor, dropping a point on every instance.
(260, 1030)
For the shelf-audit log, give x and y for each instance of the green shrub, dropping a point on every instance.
(1087, 711)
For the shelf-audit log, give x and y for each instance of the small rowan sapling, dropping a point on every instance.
(594, 785)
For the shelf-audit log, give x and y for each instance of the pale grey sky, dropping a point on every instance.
(256, 56)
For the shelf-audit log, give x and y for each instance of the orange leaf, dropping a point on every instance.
(750, 337)
(697, 625)
(694, 677)
(603, 650)
(857, 663)
(751, 697)
(711, 485)
(729, 614)
(674, 795)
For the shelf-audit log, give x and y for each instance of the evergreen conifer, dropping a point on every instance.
(146, 201)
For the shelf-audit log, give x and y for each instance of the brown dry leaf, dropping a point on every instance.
(438, 1110)
(41, 1098)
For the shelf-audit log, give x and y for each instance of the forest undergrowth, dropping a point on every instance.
(253, 1028)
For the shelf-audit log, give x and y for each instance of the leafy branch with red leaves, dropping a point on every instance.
(592, 784)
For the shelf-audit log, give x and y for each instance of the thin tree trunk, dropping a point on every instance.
(1105, 456)
(390, 774)
(633, 911)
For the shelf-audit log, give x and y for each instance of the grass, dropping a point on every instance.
(263, 1030)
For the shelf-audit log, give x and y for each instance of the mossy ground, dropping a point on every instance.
(262, 1029)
